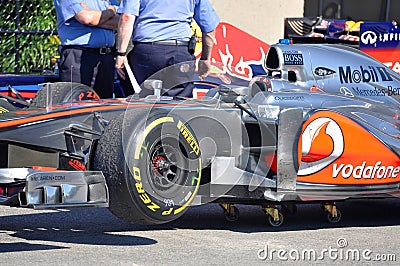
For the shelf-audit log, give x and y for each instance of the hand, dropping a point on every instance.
(204, 68)
(119, 66)
(112, 8)
(85, 6)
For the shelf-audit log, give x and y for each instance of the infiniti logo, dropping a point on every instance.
(322, 144)
(346, 92)
(369, 37)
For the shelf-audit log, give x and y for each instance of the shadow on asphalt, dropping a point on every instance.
(22, 246)
(355, 213)
(86, 226)
(99, 227)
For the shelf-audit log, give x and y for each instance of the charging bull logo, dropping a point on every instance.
(241, 61)
(322, 144)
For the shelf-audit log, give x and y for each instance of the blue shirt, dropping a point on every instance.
(72, 32)
(114, 2)
(168, 19)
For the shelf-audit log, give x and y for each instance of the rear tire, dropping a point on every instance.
(64, 92)
(152, 169)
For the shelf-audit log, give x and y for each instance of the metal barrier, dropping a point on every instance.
(28, 35)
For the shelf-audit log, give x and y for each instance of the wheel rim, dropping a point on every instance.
(335, 219)
(167, 173)
(274, 223)
(232, 215)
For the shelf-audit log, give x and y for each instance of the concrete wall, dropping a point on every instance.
(260, 18)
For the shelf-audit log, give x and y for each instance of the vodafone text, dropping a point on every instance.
(365, 171)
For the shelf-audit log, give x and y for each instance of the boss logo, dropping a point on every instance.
(292, 58)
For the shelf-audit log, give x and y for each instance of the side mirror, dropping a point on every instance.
(155, 85)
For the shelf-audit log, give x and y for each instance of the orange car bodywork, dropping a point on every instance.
(335, 150)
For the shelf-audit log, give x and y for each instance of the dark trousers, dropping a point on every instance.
(92, 69)
(172, 64)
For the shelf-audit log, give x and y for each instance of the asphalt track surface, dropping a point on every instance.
(88, 236)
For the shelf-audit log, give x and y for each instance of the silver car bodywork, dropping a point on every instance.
(259, 144)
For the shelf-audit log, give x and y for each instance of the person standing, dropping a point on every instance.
(161, 32)
(86, 30)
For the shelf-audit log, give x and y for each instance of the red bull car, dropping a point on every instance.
(322, 126)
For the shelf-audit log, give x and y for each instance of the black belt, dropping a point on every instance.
(100, 50)
(166, 42)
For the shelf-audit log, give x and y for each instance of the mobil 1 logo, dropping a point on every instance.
(363, 74)
(293, 58)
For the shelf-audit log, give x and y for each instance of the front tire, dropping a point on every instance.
(152, 165)
(6, 107)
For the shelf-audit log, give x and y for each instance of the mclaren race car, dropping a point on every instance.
(323, 126)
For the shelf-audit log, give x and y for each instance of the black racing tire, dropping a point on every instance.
(63, 92)
(290, 209)
(6, 107)
(152, 165)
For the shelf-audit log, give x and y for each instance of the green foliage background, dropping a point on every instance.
(35, 50)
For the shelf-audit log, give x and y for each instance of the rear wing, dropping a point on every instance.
(380, 40)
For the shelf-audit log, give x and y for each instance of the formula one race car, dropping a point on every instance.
(322, 126)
